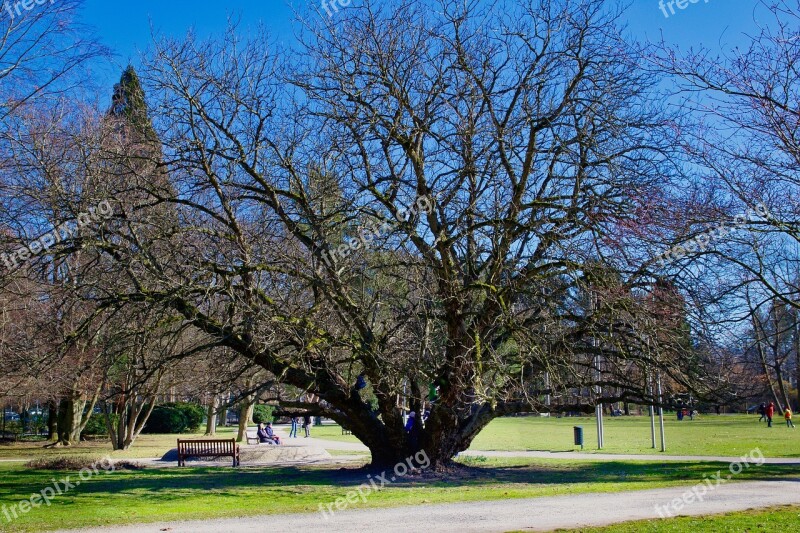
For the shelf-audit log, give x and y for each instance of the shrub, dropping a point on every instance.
(195, 414)
(13, 428)
(96, 426)
(38, 423)
(166, 419)
(74, 464)
(263, 414)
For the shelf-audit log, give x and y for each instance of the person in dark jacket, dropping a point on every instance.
(271, 434)
(412, 430)
(263, 436)
(307, 425)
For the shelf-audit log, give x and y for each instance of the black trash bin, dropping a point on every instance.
(578, 430)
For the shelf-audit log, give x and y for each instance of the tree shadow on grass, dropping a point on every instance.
(174, 483)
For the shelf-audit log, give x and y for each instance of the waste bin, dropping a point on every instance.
(578, 430)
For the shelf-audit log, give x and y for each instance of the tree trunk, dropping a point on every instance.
(73, 417)
(70, 412)
(52, 421)
(246, 411)
(761, 339)
(112, 430)
(245, 415)
(211, 417)
(784, 397)
(141, 412)
(222, 415)
(133, 416)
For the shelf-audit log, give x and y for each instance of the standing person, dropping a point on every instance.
(412, 430)
(293, 431)
(762, 410)
(307, 425)
(788, 416)
(770, 412)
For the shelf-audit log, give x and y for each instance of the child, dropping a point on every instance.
(788, 416)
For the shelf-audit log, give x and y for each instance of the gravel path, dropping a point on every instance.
(534, 514)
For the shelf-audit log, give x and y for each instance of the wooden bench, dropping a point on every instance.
(207, 448)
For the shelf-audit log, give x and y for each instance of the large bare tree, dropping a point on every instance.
(410, 212)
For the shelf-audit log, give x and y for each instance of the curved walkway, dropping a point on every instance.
(533, 514)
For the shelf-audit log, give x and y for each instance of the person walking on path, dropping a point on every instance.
(770, 413)
(762, 410)
(788, 416)
(307, 425)
(293, 430)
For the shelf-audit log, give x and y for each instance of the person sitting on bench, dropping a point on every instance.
(271, 434)
(263, 435)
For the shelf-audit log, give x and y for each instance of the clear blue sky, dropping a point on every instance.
(125, 26)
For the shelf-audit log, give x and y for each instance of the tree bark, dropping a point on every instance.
(245, 415)
(211, 416)
(52, 421)
(761, 340)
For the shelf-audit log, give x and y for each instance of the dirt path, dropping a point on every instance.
(534, 514)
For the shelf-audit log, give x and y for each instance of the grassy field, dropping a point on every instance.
(776, 519)
(727, 435)
(146, 446)
(197, 493)
(706, 435)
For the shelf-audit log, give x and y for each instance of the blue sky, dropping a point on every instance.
(125, 26)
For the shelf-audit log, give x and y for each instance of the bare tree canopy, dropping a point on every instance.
(462, 209)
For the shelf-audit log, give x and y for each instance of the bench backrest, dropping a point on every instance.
(207, 447)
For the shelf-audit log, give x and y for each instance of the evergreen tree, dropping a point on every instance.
(128, 103)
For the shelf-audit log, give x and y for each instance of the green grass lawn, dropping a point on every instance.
(725, 435)
(196, 493)
(733, 435)
(330, 432)
(776, 519)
